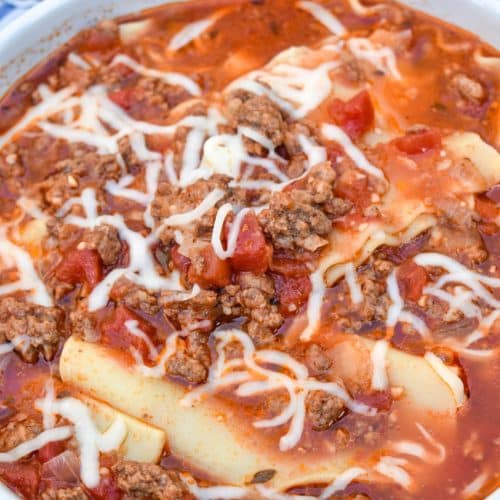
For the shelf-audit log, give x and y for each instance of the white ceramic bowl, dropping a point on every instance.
(32, 36)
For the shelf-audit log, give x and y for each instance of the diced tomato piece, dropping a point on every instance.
(411, 279)
(208, 270)
(292, 293)
(50, 450)
(115, 333)
(289, 267)
(181, 262)
(100, 38)
(355, 116)
(418, 143)
(354, 187)
(486, 208)
(252, 254)
(24, 478)
(126, 97)
(494, 193)
(81, 266)
(382, 400)
(107, 489)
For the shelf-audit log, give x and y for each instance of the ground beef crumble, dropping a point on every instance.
(170, 200)
(301, 218)
(105, 240)
(259, 113)
(42, 325)
(19, 429)
(252, 297)
(192, 360)
(149, 482)
(184, 313)
(76, 493)
(323, 409)
(66, 180)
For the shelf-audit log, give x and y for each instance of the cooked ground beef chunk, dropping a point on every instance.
(316, 360)
(259, 113)
(106, 241)
(371, 278)
(135, 297)
(456, 233)
(170, 200)
(253, 297)
(460, 242)
(149, 482)
(184, 314)
(323, 409)
(192, 358)
(66, 180)
(19, 429)
(34, 329)
(300, 219)
(76, 493)
(82, 324)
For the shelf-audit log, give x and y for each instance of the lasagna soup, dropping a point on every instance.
(251, 249)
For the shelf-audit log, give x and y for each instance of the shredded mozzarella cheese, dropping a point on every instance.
(45, 437)
(90, 440)
(451, 379)
(28, 281)
(380, 380)
(334, 133)
(187, 34)
(391, 467)
(141, 268)
(250, 378)
(167, 77)
(382, 58)
(342, 481)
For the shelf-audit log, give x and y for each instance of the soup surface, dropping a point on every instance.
(251, 249)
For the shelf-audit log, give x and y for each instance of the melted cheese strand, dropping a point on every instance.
(296, 90)
(342, 481)
(451, 379)
(132, 325)
(391, 468)
(435, 457)
(382, 58)
(362, 10)
(44, 108)
(334, 133)
(473, 488)
(234, 232)
(397, 304)
(323, 16)
(167, 77)
(188, 33)
(186, 218)
(352, 283)
(251, 378)
(141, 269)
(6, 347)
(315, 154)
(378, 356)
(45, 437)
(90, 440)
(29, 280)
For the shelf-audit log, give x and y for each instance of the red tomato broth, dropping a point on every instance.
(278, 27)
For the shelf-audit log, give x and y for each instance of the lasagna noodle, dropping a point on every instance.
(143, 442)
(211, 438)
